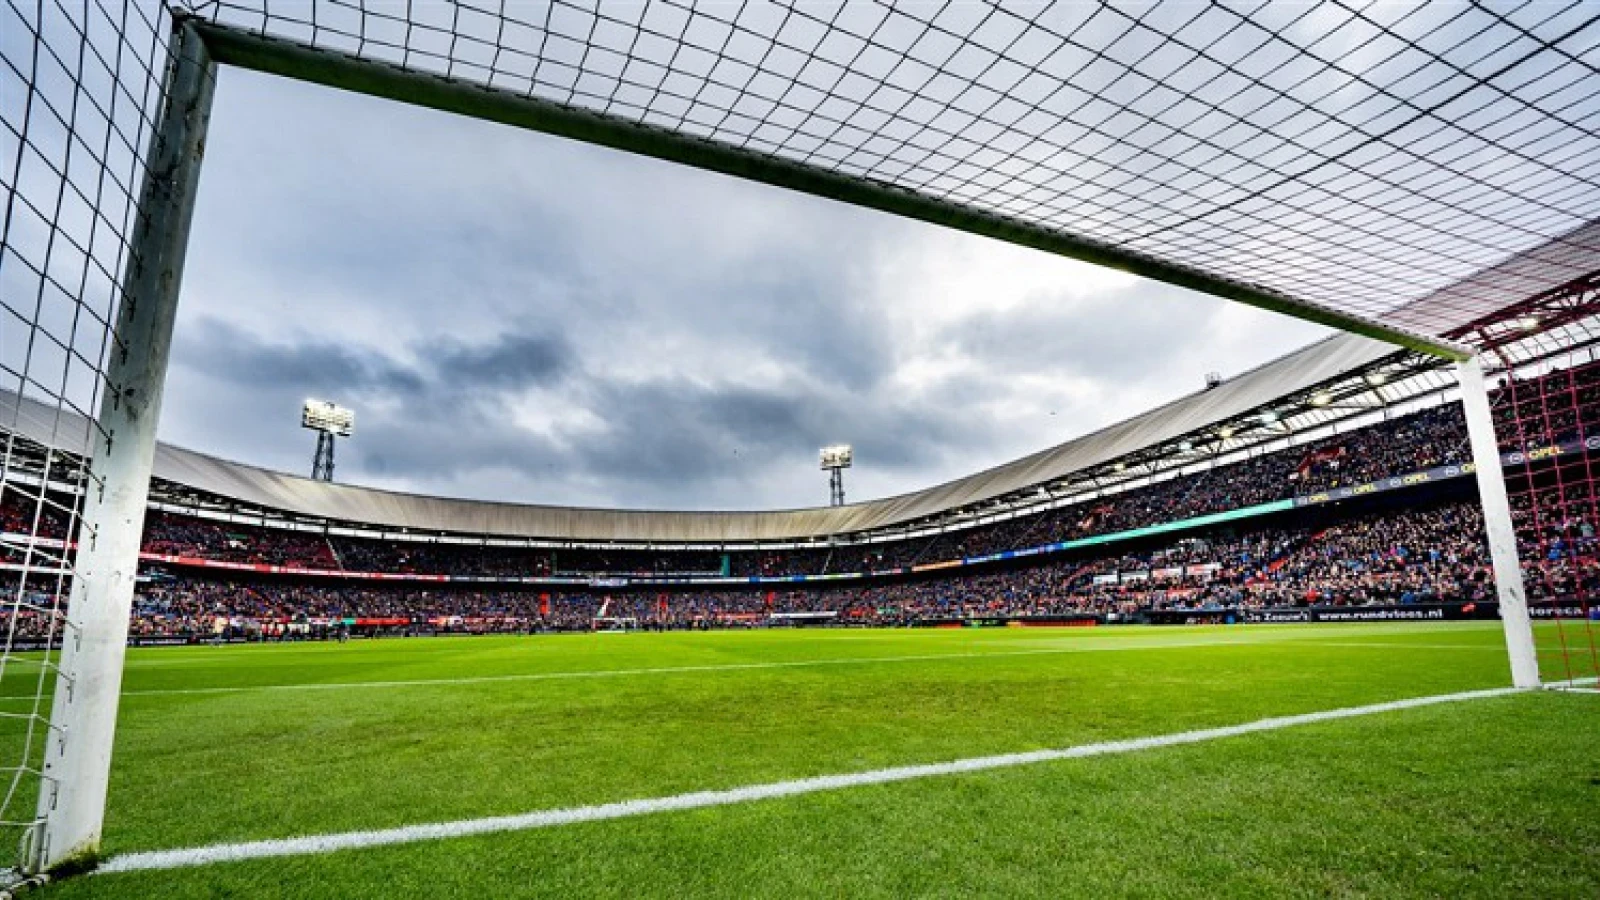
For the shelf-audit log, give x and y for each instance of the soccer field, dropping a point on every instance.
(1489, 796)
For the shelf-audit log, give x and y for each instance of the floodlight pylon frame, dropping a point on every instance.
(322, 462)
(72, 802)
(77, 763)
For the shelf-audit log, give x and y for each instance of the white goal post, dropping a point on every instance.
(1502, 532)
(77, 761)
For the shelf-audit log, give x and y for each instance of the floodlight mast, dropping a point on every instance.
(329, 421)
(835, 459)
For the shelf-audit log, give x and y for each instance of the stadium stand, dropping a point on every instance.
(1399, 554)
(1413, 443)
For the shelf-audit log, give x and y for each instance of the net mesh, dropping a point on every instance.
(1363, 156)
(1548, 419)
(1375, 158)
(79, 91)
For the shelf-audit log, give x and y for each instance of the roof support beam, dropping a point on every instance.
(249, 50)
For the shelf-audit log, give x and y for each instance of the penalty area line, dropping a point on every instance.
(355, 840)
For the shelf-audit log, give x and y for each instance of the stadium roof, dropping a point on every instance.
(1297, 371)
(1338, 161)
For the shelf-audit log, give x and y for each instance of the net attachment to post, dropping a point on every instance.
(80, 95)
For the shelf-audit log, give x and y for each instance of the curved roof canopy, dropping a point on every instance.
(339, 502)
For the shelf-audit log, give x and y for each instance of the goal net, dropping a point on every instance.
(1548, 419)
(941, 113)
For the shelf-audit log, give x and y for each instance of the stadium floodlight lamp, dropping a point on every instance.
(331, 418)
(329, 421)
(835, 459)
(838, 456)
(1376, 378)
(1528, 323)
(1186, 446)
(1321, 398)
(1225, 431)
(1268, 417)
(1119, 467)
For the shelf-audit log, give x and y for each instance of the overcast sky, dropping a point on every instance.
(514, 316)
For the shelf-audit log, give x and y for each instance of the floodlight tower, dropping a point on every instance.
(835, 460)
(329, 421)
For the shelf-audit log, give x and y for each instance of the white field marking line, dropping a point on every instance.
(354, 840)
(719, 667)
(1399, 645)
(1585, 684)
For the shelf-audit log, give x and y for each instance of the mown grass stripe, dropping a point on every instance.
(666, 670)
(787, 664)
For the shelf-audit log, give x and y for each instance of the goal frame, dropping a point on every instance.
(76, 772)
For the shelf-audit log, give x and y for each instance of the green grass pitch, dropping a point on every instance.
(1492, 798)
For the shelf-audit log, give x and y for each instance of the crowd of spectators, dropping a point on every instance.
(359, 555)
(1559, 406)
(1434, 554)
(175, 535)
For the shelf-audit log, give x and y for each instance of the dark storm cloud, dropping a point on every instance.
(446, 371)
(434, 440)
(689, 432)
(669, 439)
(300, 365)
(453, 409)
(513, 360)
